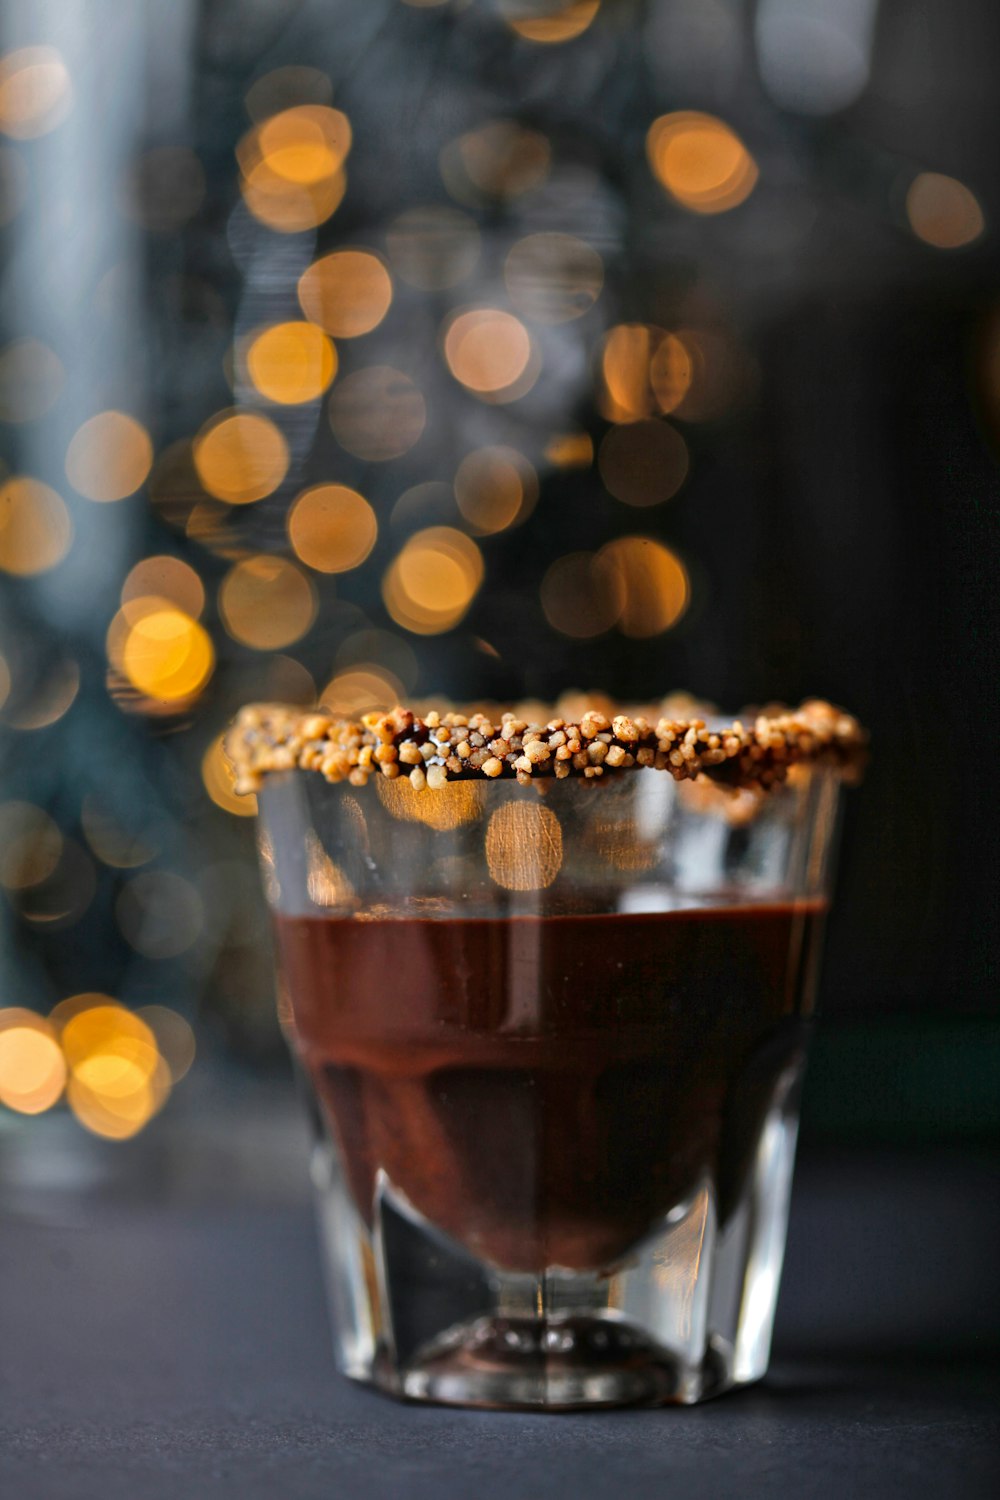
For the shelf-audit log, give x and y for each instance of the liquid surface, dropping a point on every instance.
(544, 1089)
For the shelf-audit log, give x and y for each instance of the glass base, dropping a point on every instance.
(561, 1364)
(686, 1315)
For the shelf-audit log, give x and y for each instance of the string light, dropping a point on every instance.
(291, 363)
(433, 581)
(643, 463)
(167, 578)
(292, 167)
(266, 602)
(35, 527)
(943, 212)
(377, 413)
(332, 528)
(347, 293)
(581, 598)
(109, 456)
(32, 1069)
(50, 699)
(488, 351)
(644, 371)
(165, 654)
(240, 457)
(553, 278)
(495, 488)
(556, 22)
(700, 161)
(653, 581)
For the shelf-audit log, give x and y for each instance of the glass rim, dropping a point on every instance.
(438, 748)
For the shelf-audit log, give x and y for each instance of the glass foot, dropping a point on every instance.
(561, 1364)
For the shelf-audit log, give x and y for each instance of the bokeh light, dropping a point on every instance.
(580, 598)
(32, 1068)
(35, 527)
(332, 528)
(118, 1080)
(240, 457)
(570, 450)
(287, 207)
(644, 371)
(303, 144)
(489, 351)
(114, 1117)
(524, 846)
(31, 380)
(551, 22)
(218, 779)
(643, 463)
(500, 160)
(361, 689)
(162, 652)
(108, 1048)
(654, 583)
(30, 845)
(292, 167)
(495, 488)
(671, 370)
(174, 1038)
(160, 914)
(168, 578)
(553, 278)
(700, 161)
(290, 363)
(432, 582)
(36, 93)
(943, 212)
(377, 413)
(266, 602)
(109, 456)
(49, 699)
(347, 293)
(433, 248)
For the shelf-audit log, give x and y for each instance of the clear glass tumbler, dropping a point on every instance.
(554, 1036)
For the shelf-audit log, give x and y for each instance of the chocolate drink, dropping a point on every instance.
(544, 1089)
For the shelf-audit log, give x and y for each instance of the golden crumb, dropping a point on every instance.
(440, 747)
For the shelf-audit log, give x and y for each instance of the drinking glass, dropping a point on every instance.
(553, 1039)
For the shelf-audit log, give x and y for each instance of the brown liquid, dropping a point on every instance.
(544, 1089)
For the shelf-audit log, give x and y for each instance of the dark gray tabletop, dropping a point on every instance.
(158, 1342)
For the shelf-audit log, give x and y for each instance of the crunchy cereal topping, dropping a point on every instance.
(443, 747)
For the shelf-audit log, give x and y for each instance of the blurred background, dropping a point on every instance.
(366, 350)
